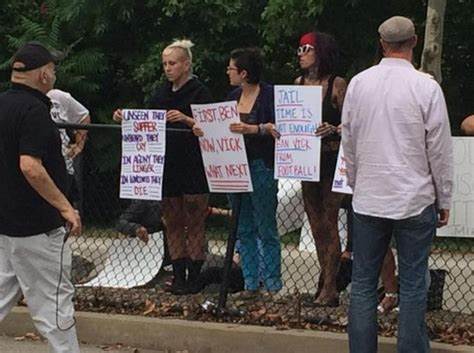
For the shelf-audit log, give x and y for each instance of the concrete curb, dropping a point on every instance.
(198, 337)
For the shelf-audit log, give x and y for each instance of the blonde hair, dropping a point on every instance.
(185, 45)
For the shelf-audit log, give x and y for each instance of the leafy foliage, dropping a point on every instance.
(114, 47)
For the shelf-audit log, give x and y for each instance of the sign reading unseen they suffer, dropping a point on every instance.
(143, 154)
(223, 152)
(297, 115)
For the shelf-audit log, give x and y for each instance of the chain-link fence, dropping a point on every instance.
(124, 260)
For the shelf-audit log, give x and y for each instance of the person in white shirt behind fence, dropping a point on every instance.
(66, 109)
(398, 146)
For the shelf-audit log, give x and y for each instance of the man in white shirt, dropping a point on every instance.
(398, 147)
(66, 109)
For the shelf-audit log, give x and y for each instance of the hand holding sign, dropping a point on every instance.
(443, 217)
(117, 115)
(175, 116)
(272, 130)
(243, 128)
(325, 130)
(197, 131)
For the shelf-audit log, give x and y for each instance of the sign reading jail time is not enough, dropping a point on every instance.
(223, 152)
(143, 154)
(297, 115)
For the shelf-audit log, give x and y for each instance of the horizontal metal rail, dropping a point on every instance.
(116, 127)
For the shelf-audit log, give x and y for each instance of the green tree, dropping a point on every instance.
(114, 48)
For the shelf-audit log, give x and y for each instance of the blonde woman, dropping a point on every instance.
(185, 191)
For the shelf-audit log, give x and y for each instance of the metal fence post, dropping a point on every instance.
(229, 254)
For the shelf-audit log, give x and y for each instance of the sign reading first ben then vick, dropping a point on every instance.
(223, 152)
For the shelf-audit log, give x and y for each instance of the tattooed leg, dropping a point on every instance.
(172, 208)
(322, 207)
(195, 217)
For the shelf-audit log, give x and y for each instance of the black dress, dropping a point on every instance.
(330, 115)
(183, 170)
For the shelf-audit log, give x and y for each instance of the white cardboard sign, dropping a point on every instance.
(223, 152)
(297, 116)
(461, 218)
(339, 183)
(143, 154)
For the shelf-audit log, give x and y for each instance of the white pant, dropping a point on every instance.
(32, 265)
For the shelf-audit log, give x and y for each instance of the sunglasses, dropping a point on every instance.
(304, 49)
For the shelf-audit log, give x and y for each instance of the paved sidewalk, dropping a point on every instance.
(8, 344)
(182, 336)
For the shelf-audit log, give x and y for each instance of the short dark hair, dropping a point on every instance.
(250, 60)
(400, 46)
(327, 54)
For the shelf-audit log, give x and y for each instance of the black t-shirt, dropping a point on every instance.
(26, 128)
(183, 171)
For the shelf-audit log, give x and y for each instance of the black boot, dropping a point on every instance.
(178, 287)
(194, 284)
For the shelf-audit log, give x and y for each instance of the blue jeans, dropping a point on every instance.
(371, 239)
(259, 243)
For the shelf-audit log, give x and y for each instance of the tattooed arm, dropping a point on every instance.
(339, 92)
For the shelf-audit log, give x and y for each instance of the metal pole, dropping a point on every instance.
(104, 126)
(229, 254)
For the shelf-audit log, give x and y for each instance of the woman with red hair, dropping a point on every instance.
(318, 56)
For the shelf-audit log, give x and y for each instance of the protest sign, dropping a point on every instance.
(340, 175)
(143, 154)
(297, 114)
(461, 218)
(223, 152)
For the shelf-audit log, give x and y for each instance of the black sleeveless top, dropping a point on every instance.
(331, 114)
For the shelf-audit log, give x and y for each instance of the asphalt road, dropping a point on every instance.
(10, 345)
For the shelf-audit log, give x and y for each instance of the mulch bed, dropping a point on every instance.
(280, 312)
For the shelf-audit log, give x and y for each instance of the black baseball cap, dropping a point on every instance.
(34, 55)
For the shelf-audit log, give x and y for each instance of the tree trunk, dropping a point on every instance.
(431, 57)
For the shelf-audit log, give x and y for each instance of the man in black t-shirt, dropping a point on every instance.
(33, 208)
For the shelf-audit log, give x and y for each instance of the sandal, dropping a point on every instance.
(388, 303)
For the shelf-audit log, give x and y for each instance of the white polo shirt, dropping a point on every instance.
(65, 109)
(397, 141)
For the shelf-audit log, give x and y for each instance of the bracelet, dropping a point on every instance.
(391, 295)
(261, 129)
